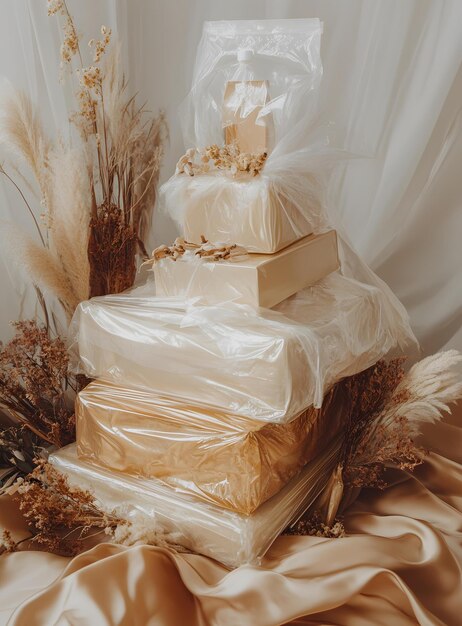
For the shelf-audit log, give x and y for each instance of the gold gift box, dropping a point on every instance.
(255, 279)
(229, 460)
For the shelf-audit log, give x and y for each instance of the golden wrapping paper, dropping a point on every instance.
(225, 459)
(256, 279)
(183, 519)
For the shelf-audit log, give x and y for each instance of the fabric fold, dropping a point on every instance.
(399, 564)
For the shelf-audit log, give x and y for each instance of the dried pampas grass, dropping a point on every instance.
(388, 409)
(99, 191)
(69, 215)
(134, 143)
(22, 133)
(422, 396)
(38, 264)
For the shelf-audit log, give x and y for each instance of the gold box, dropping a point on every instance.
(226, 459)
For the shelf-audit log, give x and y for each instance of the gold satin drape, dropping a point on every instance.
(400, 565)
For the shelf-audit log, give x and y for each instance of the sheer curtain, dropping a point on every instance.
(392, 78)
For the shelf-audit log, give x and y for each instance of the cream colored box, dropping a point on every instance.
(260, 213)
(256, 279)
(182, 519)
(268, 364)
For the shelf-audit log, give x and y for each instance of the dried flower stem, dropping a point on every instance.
(61, 517)
(39, 230)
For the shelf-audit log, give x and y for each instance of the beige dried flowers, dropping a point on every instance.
(70, 45)
(90, 77)
(228, 157)
(101, 45)
(61, 517)
(55, 6)
(205, 250)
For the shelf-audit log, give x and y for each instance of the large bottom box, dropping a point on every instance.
(231, 538)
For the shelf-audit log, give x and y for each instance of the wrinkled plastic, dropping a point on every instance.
(262, 213)
(256, 279)
(285, 53)
(265, 364)
(180, 519)
(225, 459)
(253, 212)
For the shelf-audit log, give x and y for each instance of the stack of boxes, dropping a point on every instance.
(214, 416)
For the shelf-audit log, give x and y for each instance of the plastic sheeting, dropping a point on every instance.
(265, 364)
(251, 211)
(231, 538)
(255, 212)
(225, 459)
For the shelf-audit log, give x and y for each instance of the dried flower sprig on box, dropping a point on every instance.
(228, 157)
(205, 250)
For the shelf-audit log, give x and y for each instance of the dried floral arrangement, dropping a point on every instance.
(228, 157)
(205, 250)
(90, 200)
(61, 518)
(386, 409)
(97, 191)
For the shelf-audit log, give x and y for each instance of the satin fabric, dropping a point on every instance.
(399, 565)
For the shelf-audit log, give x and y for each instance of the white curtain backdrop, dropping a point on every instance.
(392, 77)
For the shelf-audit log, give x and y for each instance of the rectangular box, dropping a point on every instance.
(256, 279)
(226, 459)
(244, 124)
(255, 212)
(180, 519)
(266, 364)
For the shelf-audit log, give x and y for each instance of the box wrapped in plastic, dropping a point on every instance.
(282, 56)
(225, 459)
(255, 84)
(256, 279)
(265, 364)
(251, 211)
(229, 537)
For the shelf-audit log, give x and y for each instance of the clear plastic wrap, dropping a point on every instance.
(256, 279)
(255, 83)
(181, 519)
(265, 364)
(251, 211)
(284, 54)
(225, 459)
